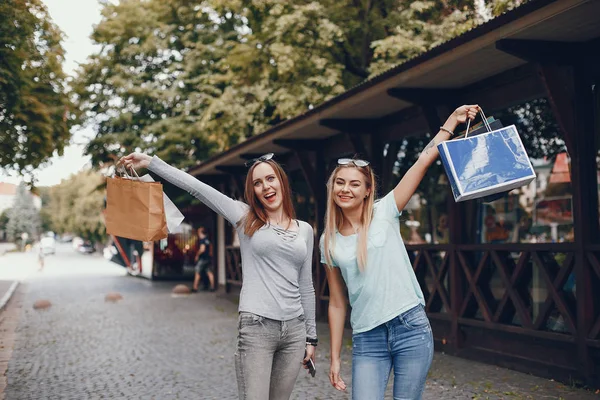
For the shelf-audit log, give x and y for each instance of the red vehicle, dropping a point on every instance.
(172, 257)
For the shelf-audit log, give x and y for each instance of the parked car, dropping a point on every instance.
(48, 245)
(76, 242)
(86, 247)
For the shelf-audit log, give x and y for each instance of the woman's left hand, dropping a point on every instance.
(310, 354)
(465, 112)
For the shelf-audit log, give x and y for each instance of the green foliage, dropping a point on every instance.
(416, 27)
(148, 87)
(4, 220)
(537, 127)
(23, 217)
(186, 80)
(33, 100)
(280, 65)
(413, 27)
(75, 206)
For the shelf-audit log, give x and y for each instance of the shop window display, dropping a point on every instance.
(540, 212)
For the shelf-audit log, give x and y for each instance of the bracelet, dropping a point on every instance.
(447, 130)
(311, 344)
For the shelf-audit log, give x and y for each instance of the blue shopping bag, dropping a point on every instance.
(486, 164)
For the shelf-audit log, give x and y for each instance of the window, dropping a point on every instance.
(541, 211)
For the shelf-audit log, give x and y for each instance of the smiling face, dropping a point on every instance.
(350, 188)
(267, 186)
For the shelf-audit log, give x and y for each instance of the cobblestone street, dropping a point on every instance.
(154, 345)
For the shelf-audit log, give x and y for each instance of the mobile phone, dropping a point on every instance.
(311, 366)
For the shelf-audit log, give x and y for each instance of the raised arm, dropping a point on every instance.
(230, 209)
(413, 177)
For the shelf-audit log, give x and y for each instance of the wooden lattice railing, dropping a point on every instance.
(521, 288)
(525, 288)
(233, 266)
(593, 257)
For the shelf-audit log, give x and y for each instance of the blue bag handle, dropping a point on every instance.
(485, 123)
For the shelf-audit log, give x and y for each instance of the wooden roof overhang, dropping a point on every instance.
(555, 31)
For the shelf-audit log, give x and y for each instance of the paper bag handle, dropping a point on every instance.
(124, 172)
(485, 123)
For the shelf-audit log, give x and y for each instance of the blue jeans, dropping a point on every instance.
(269, 356)
(404, 343)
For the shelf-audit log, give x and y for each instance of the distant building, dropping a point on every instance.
(8, 192)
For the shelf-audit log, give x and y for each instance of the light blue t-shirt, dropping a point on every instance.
(388, 286)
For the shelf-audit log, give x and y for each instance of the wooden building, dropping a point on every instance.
(514, 282)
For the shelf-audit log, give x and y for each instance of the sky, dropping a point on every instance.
(76, 18)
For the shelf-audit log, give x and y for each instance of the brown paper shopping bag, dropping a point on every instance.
(135, 209)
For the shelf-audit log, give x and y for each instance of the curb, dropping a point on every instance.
(8, 294)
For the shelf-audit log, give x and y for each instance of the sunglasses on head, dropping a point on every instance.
(355, 161)
(265, 157)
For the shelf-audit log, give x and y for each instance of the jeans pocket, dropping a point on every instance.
(247, 319)
(416, 318)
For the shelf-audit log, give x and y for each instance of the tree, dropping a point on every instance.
(75, 206)
(45, 217)
(34, 105)
(413, 27)
(147, 89)
(3, 224)
(23, 217)
(186, 80)
(281, 64)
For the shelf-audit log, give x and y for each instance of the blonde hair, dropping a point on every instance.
(334, 217)
(256, 217)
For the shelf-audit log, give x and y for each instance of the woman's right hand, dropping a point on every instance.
(135, 161)
(334, 375)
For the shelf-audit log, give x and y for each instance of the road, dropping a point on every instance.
(154, 345)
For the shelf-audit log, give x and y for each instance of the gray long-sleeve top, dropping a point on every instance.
(277, 274)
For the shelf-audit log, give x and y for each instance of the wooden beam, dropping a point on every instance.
(559, 85)
(250, 156)
(359, 146)
(299, 144)
(388, 165)
(307, 170)
(232, 169)
(237, 184)
(376, 155)
(351, 125)
(422, 96)
(543, 51)
(433, 119)
(321, 192)
(585, 207)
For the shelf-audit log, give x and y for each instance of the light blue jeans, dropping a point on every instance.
(269, 356)
(404, 343)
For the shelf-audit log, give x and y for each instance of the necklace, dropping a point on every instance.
(280, 223)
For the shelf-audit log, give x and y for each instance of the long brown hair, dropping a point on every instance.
(334, 217)
(257, 217)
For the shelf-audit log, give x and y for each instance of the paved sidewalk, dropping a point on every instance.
(7, 288)
(4, 247)
(9, 319)
(153, 345)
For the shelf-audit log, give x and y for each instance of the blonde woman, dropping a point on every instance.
(362, 245)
